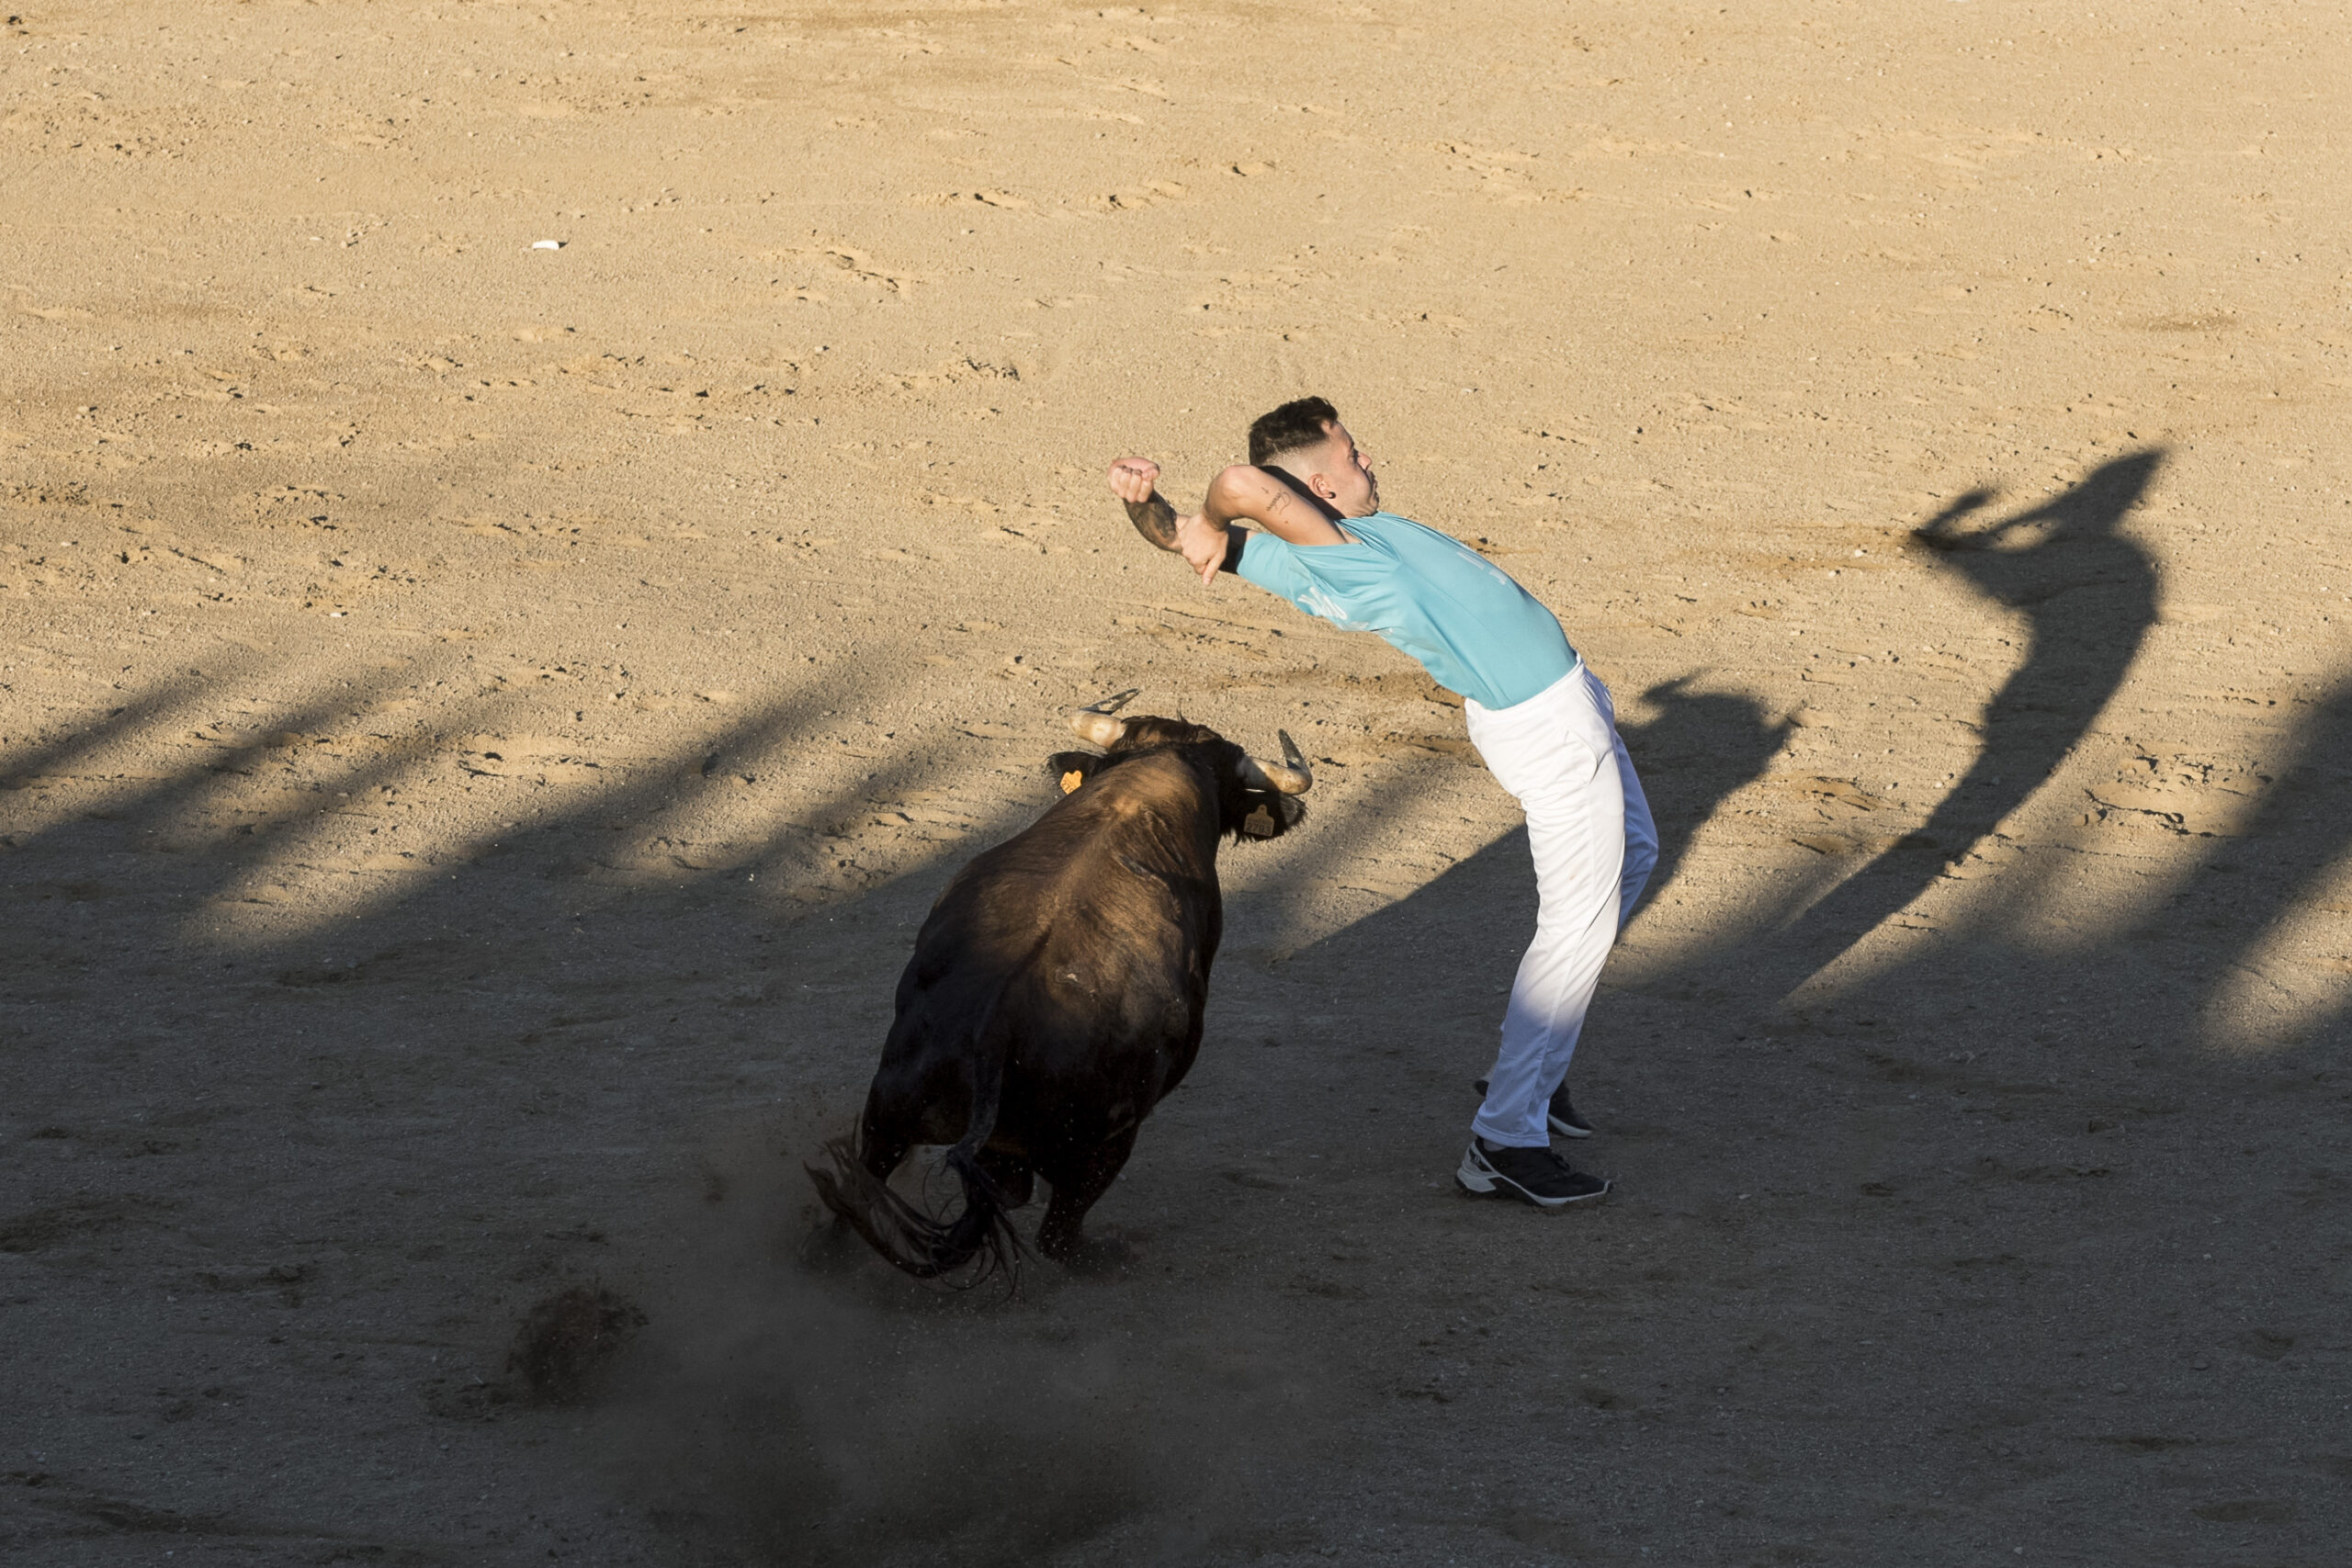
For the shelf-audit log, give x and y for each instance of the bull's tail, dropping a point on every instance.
(909, 1237)
(903, 1233)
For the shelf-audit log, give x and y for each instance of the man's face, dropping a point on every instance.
(1341, 472)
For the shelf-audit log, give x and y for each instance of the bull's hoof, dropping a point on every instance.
(1094, 1257)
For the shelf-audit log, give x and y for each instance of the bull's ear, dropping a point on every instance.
(1270, 816)
(1071, 769)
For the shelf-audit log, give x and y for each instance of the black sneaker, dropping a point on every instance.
(1540, 1176)
(1560, 1113)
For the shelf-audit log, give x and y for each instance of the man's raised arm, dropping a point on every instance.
(1133, 481)
(1207, 539)
(1274, 501)
(1207, 548)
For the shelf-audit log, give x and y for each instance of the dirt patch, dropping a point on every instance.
(569, 1339)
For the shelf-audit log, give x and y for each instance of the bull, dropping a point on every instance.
(1054, 993)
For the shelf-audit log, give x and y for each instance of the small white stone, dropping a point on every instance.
(547, 244)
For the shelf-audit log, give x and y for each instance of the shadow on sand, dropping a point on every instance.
(1474, 918)
(2088, 593)
(367, 1042)
(385, 1132)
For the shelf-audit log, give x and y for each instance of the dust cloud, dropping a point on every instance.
(797, 1400)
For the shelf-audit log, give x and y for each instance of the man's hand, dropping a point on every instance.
(1202, 543)
(1133, 479)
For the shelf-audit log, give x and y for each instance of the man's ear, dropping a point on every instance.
(1306, 491)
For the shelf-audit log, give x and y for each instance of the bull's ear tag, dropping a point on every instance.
(1071, 779)
(1259, 824)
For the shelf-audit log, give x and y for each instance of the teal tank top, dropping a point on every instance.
(1463, 618)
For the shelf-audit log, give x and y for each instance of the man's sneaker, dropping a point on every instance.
(1540, 1176)
(1562, 1115)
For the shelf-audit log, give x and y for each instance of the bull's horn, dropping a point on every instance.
(1289, 776)
(1094, 722)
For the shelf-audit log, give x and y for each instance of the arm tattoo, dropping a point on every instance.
(1155, 519)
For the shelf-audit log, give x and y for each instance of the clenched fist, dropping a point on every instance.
(1202, 543)
(1133, 479)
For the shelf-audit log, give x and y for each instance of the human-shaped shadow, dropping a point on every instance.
(1691, 755)
(1695, 749)
(2088, 593)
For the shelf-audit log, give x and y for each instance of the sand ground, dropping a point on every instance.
(479, 724)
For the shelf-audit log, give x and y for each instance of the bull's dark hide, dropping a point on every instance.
(1055, 995)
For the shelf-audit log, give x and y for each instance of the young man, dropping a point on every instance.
(1544, 725)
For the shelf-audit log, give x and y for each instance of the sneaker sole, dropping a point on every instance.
(1564, 1129)
(1493, 1184)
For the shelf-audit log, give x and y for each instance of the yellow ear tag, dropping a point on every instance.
(1071, 779)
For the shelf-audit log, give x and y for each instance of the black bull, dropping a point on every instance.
(1056, 991)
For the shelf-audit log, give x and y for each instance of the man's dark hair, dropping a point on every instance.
(1289, 428)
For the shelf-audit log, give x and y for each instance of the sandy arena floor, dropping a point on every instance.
(479, 724)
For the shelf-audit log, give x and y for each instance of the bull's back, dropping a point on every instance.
(1090, 931)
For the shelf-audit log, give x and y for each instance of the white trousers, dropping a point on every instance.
(1589, 828)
